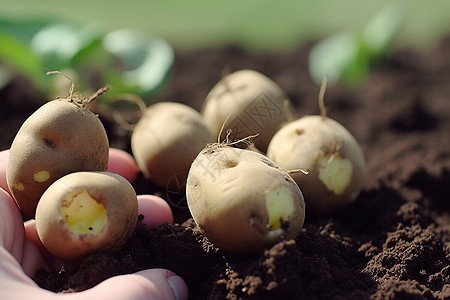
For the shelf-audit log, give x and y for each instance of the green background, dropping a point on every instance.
(257, 24)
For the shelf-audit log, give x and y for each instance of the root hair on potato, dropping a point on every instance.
(75, 97)
(211, 147)
(304, 171)
(118, 117)
(323, 87)
(72, 84)
(248, 140)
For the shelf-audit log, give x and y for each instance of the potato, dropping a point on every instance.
(59, 138)
(166, 141)
(86, 212)
(241, 200)
(248, 103)
(331, 155)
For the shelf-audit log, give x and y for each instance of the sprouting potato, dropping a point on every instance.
(61, 137)
(331, 155)
(86, 212)
(248, 103)
(241, 200)
(166, 141)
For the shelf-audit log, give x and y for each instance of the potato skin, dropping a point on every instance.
(253, 104)
(226, 193)
(301, 143)
(166, 141)
(59, 138)
(111, 190)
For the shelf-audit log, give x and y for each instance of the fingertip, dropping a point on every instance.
(11, 228)
(176, 283)
(4, 155)
(146, 284)
(179, 287)
(155, 210)
(122, 163)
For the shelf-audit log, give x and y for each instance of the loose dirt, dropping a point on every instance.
(393, 242)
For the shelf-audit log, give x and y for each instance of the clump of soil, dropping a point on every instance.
(392, 243)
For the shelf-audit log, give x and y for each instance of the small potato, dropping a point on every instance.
(166, 141)
(242, 201)
(86, 212)
(59, 138)
(331, 155)
(248, 103)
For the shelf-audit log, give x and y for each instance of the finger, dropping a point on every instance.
(15, 283)
(4, 155)
(156, 284)
(12, 236)
(50, 261)
(122, 163)
(155, 210)
(12, 232)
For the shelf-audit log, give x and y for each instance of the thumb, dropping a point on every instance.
(153, 284)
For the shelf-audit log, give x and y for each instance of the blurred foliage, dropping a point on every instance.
(347, 56)
(129, 60)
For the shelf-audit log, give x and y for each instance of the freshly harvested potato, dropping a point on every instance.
(331, 155)
(61, 137)
(86, 212)
(166, 141)
(247, 103)
(241, 200)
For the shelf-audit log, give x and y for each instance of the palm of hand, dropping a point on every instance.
(22, 253)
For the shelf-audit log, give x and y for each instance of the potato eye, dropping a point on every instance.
(231, 164)
(50, 143)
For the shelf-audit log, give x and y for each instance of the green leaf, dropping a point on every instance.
(22, 29)
(18, 56)
(147, 59)
(59, 43)
(381, 30)
(341, 57)
(347, 56)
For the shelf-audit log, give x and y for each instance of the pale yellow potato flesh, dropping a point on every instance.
(82, 213)
(280, 206)
(335, 172)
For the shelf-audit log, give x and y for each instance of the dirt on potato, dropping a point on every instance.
(393, 242)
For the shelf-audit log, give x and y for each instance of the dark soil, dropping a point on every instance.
(392, 243)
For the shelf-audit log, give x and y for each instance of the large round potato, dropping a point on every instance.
(86, 212)
(247, 103)
(242, 201)
(166, 141)
(59, 138)
(331, 155)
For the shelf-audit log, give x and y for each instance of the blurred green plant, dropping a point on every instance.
(129, 60)
(347, 56)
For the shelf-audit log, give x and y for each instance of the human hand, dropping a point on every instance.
(22, 253)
